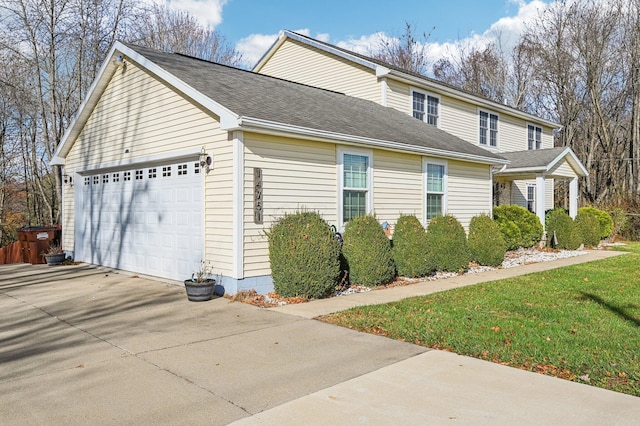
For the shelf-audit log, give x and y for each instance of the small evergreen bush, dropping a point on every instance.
(409, 247)
(589, 228)
(528, 223)
(486, 243)
(604, 218)
(447, 243)
(511, 234)
(304, 256)
(367, 251)
(567, 234)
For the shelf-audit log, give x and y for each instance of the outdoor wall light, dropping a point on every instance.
(205, 160)
(68, 180)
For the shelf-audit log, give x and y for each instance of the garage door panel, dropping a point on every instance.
(142, 220)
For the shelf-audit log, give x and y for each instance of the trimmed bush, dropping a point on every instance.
(486, 244)
(367, 251)
(604, 218)
(511, 234)
(528, 223)
(409, 247)
(589, 229)
(567, 234)
(304, 256)
(447, 243)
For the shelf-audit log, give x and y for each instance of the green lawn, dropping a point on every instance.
(581, 323)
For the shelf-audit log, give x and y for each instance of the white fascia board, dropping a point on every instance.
(432, 85)
(573, 160)
(521, 170)
(108, 68)
(330, 49)
(269, 53)
(78, 121)
(274, 128)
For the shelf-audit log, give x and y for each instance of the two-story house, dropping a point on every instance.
(524, 139)
(172, 160)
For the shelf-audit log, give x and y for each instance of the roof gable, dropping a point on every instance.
(542, 160)
(252, 101)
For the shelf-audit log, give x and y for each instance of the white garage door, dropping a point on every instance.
(146, 220)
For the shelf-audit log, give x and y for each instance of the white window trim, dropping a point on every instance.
(488, 145)
(340, 160)
(534, 125)
(445, 183)
(535, 197)
(426, 95)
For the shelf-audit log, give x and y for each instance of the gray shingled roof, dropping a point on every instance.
(258, 96)
(536, 158)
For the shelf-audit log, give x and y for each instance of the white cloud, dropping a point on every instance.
(208, 12)
(505, 32)
(254, 46)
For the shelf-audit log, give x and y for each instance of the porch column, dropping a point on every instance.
(540, 198)
(573, 197)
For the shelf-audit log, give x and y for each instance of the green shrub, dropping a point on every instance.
(304, 256)
(486, 243)
(511, 234)
(409, 247)
(589, 229)
(567, 234)
(367, 251)
(604, 218)
(528, 223)
(447, 243)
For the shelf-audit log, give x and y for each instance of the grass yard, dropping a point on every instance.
(580, 323)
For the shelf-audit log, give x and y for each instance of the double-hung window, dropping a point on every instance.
(531, 198)
(355, 180)
(435, 184)
(488, 129)
(534, 137)
(426, 108)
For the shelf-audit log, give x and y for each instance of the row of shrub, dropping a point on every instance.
(307, 259)
(590, 226)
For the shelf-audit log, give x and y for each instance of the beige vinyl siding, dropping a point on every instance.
(309, 65)
(218, 198)
(469, 190)
(548, 194)
(512, 134)
(68, 206)
(138, 113)
(397, 185)
(563, 169)
(296, 175)
(399, 96)
(460, 119)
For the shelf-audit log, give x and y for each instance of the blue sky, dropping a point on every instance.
(252, 25)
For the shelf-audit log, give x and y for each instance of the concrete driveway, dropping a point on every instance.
(79, 345)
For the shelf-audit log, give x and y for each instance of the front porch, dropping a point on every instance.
(528, 180)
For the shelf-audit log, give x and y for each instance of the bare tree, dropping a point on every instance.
(180, 32)
(408, 51)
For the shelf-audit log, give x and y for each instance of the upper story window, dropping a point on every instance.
(534, 137)
(435, 184)
(355, 181)
(425, 107)
(488, 129)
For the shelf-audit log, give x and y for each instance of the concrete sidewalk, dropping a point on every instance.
(79, 345)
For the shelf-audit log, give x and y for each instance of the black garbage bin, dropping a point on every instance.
(35, 240)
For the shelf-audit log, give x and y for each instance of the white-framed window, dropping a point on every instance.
(531, 198)
(435, 175)
(534, 137)
(425, 107)
(355, 183)
(488, 129)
